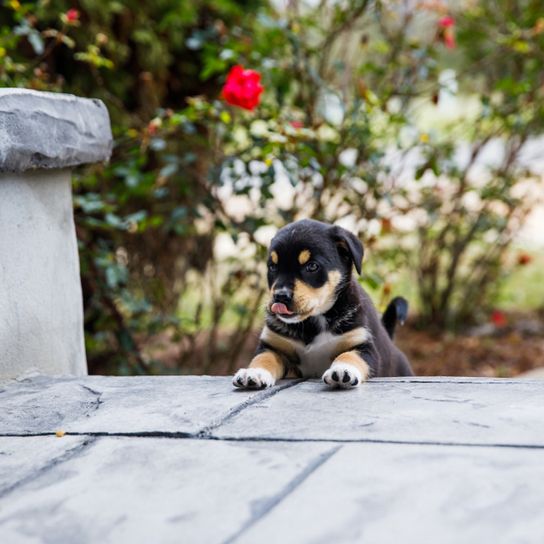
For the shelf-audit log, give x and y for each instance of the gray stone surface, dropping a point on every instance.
(446, 411)
(452, 411)
(414, 494)
(190, 459)
(154, 490)
(23, 460)
(50, 130)
(186, 405)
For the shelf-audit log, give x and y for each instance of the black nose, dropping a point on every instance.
(284, 296)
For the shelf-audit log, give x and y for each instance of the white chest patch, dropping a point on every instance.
(316, 357)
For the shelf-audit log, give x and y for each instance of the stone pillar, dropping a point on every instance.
(42, 136)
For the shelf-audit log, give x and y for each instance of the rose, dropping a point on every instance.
(71, 17)
(446, 28)
(524, 259)
(446, 22)
(153, 126)
(498, 318)
(242, 88)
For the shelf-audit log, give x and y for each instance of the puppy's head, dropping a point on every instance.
(308, 263)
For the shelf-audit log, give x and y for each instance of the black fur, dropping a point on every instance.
(333, 249)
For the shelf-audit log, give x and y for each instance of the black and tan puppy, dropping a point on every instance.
(319, 321)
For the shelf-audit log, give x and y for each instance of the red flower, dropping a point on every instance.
(524, 258)
(297, 124)
(72, 16)
(446, 30)
(153, 126)
(498, 318)
(243, 88)
(446, 22)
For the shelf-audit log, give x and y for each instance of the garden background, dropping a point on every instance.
(416, 124)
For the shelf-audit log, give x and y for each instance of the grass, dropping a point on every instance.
(523, 289)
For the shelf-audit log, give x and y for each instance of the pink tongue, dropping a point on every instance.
(279, 308)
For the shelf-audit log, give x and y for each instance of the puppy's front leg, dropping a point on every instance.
(265, 368)
(348, 370)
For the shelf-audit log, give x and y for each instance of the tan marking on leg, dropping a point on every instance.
(279, 342)
(274, 257)
(350, 339)
(269, 361)
(304, 256)
(353, 358)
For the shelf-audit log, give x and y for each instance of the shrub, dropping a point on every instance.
(350, 128)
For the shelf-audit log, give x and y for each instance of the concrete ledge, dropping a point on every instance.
(410, 460)
(479, 412)
(49, 130)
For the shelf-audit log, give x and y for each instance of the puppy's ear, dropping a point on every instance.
(348, 245)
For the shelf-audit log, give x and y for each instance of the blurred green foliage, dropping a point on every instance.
(354, 126)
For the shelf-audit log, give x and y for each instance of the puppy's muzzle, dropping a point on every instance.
(282, 300)
(283, 296)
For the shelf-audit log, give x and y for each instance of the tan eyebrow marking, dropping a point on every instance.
(304, 256)
(274, 257)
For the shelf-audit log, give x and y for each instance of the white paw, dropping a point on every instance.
(253, 378)
(342, 375)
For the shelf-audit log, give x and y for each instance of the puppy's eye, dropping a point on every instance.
(312, 266)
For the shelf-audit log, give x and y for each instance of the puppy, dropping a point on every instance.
(320, 322)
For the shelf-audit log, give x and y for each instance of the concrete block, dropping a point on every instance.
(41, 308)
(51, 130)
(42, 135)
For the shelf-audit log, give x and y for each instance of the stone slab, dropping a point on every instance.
(422, 411)
(143, 490)
(121, 405)
(23, 460)
(384, 493)
(465, 411)
(51, 130)
(352, 466)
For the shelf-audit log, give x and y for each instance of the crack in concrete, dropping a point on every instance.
(66, 456)
(267, 505)
(471, 423)
(169, 435)
(459, 381)
(374, 441)
(98, 394)
(455, 401)
(233, 412)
